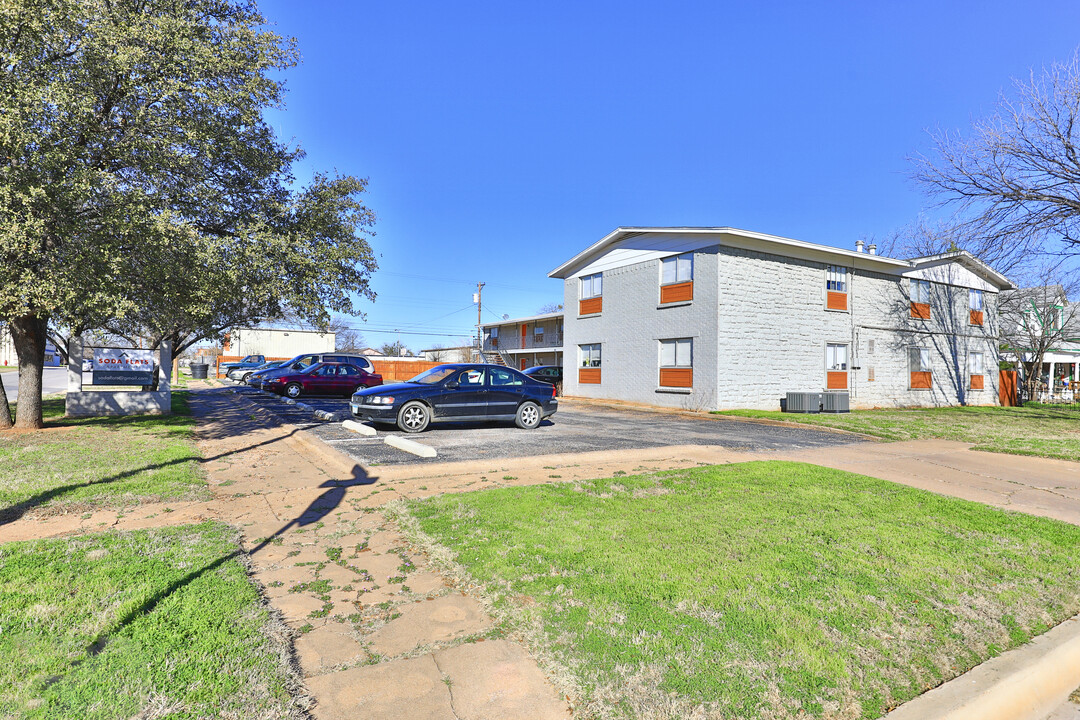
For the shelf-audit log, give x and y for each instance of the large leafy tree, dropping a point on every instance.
(141, 188)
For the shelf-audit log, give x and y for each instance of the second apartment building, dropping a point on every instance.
(718, 318)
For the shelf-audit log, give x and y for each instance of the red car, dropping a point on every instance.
(323, 379)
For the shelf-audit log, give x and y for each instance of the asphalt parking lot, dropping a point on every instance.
(576, 427)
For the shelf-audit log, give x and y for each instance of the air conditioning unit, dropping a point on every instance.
(835, 402)
(803, 402)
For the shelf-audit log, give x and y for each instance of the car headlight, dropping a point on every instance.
(381, 400)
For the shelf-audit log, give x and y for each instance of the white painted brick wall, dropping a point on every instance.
(760, 328)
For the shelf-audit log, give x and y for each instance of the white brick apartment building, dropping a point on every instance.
(718, 318)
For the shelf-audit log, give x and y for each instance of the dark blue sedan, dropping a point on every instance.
(458, 393)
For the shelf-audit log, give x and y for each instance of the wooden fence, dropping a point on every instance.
(398, 370)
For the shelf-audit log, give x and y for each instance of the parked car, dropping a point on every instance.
(455, 393)
(241, 374)
(548, 373)
(307, 360)
(323, 379)
(249, 362)
(87, 365)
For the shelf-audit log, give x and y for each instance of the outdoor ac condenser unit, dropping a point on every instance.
(835, 402)
(803, 402)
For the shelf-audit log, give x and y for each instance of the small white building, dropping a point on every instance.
(9, 358)
(276, 342)
(460, 354)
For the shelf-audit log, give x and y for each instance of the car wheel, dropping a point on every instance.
(528, 416)
(292, 390)
(413, 417)
(357, 389)
(245, 378)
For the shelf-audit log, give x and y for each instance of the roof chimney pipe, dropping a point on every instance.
(872, 249)
(859, 246)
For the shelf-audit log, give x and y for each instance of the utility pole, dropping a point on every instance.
(479, 330)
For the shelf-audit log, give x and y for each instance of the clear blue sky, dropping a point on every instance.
(502, 138)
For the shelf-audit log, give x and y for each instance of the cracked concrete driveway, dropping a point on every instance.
(579, 426)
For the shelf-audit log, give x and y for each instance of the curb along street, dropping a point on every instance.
(1025, 683)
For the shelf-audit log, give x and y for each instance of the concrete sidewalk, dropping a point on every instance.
(1037, 486)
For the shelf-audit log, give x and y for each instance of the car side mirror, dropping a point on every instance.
(453, 384)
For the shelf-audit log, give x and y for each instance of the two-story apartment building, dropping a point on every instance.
(714, 318)
(525, 342)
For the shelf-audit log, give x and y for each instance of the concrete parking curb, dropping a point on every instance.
(324, 415)
(1025, 683)
(359, 428)
(410, 446)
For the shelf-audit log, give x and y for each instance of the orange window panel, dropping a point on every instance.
(920, 311)
(976, 317)
(677, 377)
(836, 380)
(588, 376)
(921, 380)
(678, 292)
(976, 382)
(836, 300)
(591, 306)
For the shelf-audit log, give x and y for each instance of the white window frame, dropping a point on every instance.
(680, 351)
(836, 278)
(592, 285)
(975, 299)
(924, 365)
(831, 364)
(920, 291)
(980, 362)
(677, 269)
(589, 355)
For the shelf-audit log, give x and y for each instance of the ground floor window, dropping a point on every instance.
(677, 363)
(836, 366)
(976, 371)
(919, 367)
(589, 364)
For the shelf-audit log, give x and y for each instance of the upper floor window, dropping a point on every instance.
(677, 269)
(836, 284)
(677, 278)
(592, 291)
(975, 307)
(592, 286)
(836, 279)
(920, 299)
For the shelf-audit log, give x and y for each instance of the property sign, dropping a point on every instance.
(123, 366)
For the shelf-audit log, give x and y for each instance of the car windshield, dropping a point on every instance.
(434, 375)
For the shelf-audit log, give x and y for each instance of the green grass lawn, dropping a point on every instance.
(758, 590)
(152, 623)
(1045, 430)
(100, 462)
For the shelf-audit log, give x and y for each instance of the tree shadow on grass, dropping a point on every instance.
(227, 417)
(318, 509)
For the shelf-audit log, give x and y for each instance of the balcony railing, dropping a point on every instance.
(531, 342)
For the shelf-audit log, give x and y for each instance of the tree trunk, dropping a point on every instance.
(5, 410)
(28, 334)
